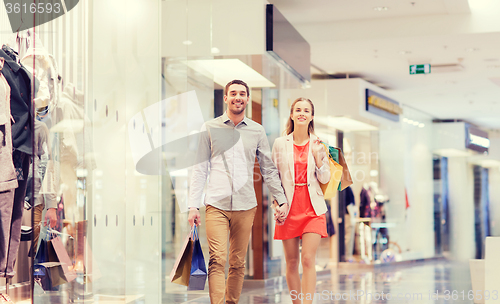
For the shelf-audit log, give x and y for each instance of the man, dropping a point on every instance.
(230, 143)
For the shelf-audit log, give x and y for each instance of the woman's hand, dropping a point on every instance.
(318, 151)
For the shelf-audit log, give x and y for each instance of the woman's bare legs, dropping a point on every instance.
(292, 257)
(310, 243)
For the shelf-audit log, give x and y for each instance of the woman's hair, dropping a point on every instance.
(289, 124)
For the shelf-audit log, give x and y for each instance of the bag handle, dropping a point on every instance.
(194, 233)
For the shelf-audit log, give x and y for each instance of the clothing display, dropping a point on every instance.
(19, 80)
(12, 201)
(302, 218)
(364, 203)
(8, 178)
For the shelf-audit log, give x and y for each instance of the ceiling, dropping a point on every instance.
(350, 36)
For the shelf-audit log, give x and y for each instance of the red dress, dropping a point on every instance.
(301, 218)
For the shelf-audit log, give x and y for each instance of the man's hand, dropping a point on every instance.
(194, 217)
(51, 217)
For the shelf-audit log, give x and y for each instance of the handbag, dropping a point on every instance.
(198, 275)
(330, 189)
(182, 268)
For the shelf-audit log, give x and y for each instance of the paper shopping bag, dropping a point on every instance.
(182, 268)
(346, 180)
(330, 189)
(63, 257)
(198, 268)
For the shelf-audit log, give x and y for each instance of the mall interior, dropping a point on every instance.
(113, 90)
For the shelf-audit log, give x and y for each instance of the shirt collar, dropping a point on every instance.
(225, 119)
(11, 63)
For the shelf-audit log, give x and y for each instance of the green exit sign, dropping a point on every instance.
(420, 69)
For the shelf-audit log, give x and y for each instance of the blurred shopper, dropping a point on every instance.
(302, 163)
(226, 154)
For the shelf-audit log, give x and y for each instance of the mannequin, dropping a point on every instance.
(12, 201)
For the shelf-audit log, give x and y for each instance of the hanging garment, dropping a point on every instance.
(8, 178)
(364, 204)
(348, 198)
(19, 80)
(44, 67)
(12, 202)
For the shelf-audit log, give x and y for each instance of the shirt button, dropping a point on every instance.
(25, 127)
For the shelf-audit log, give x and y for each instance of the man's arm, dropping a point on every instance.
(199, 176)
(268, 169)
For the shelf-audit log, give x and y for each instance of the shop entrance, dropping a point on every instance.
(441, 203)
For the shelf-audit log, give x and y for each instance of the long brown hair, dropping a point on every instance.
(289, 124)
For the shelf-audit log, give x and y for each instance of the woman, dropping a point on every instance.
(302, 164)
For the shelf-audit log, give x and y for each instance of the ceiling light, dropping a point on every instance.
(187, 42)
(215, 50)
(421, 125)
(224, 70)
(405, 119)
(415, 123)
(380, 8)
(409, 121)
(471, 49)
(404, 52)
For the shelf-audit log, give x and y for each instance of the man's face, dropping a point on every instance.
(236, 98)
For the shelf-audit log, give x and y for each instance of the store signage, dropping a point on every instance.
(476, 139)
(286, 45)
(420, 69)
(382, 106)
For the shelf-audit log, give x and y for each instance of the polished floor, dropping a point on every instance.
(418, 282)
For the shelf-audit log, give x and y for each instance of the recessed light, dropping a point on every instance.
(421, 125)
(215, 50)
(405, 119)
(404, 52)
(187, 42)
(416, 123)
(409, 121)
(380, 8)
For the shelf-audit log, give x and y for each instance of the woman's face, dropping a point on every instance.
(302, 113)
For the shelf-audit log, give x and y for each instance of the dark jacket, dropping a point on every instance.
(19, 79)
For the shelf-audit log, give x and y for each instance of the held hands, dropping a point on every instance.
(280, 213)
(194, 217)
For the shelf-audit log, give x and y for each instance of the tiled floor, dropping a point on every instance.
(419, 282)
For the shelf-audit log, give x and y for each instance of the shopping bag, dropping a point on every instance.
(330, 189)
(182, 268)
(48, 275)
(346, 180)
(62, 256)
(198, 275)
(52, 262)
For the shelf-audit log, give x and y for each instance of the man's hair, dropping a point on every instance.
(236, 81)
